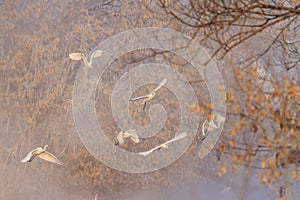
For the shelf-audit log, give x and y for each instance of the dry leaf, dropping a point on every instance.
(295, 174)
(263, 179)
(254, 74)
(293, 133)
(249, 86)
(201, 110)
(234, 169)
(232, 133)
(193, 108)
(263, 164)
(221, 148)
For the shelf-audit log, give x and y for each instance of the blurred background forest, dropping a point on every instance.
(256, 45)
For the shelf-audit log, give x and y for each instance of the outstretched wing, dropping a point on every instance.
(133, 136)
(76, 56)
(135, 139)
(95, 54)
(177, 137)
(28, 157)
(219, 119)
(208, 126)
(162, 83)
(79, 56)
(145, 153)
(138, 98)
(50, 157)
(212, 125)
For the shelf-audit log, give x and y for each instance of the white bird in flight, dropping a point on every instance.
(43, 154)
(164, 145)
(150, 96)
(127, 134)
(214, 123)
(81, 56)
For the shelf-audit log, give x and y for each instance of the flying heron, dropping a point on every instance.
(43, 154)
(150, 96)
(164, 145)
(81, 56)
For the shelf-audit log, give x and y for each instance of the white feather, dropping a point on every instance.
(177, 137)
(27, 157)
(138, 98)
(79, 56)
(162, 83)
(95, 54)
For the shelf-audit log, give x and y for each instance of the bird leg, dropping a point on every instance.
(144, 106)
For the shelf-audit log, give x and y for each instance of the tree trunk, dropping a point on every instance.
(288, 189)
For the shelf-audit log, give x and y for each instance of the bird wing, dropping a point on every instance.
(162, 83)
(212, 125)
(133, 136)
(135, 139)
(138, 98)
(145, 153)
(49, 157)
(79, 56)
(76, 56)
(27, 157)
(204, 127)
(95, 54)
(219, 118)
(32, 154)
(120, 138)
(177, 137)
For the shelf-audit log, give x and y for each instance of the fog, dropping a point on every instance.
(36, 87)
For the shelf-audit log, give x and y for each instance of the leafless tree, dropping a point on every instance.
(230, 23)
